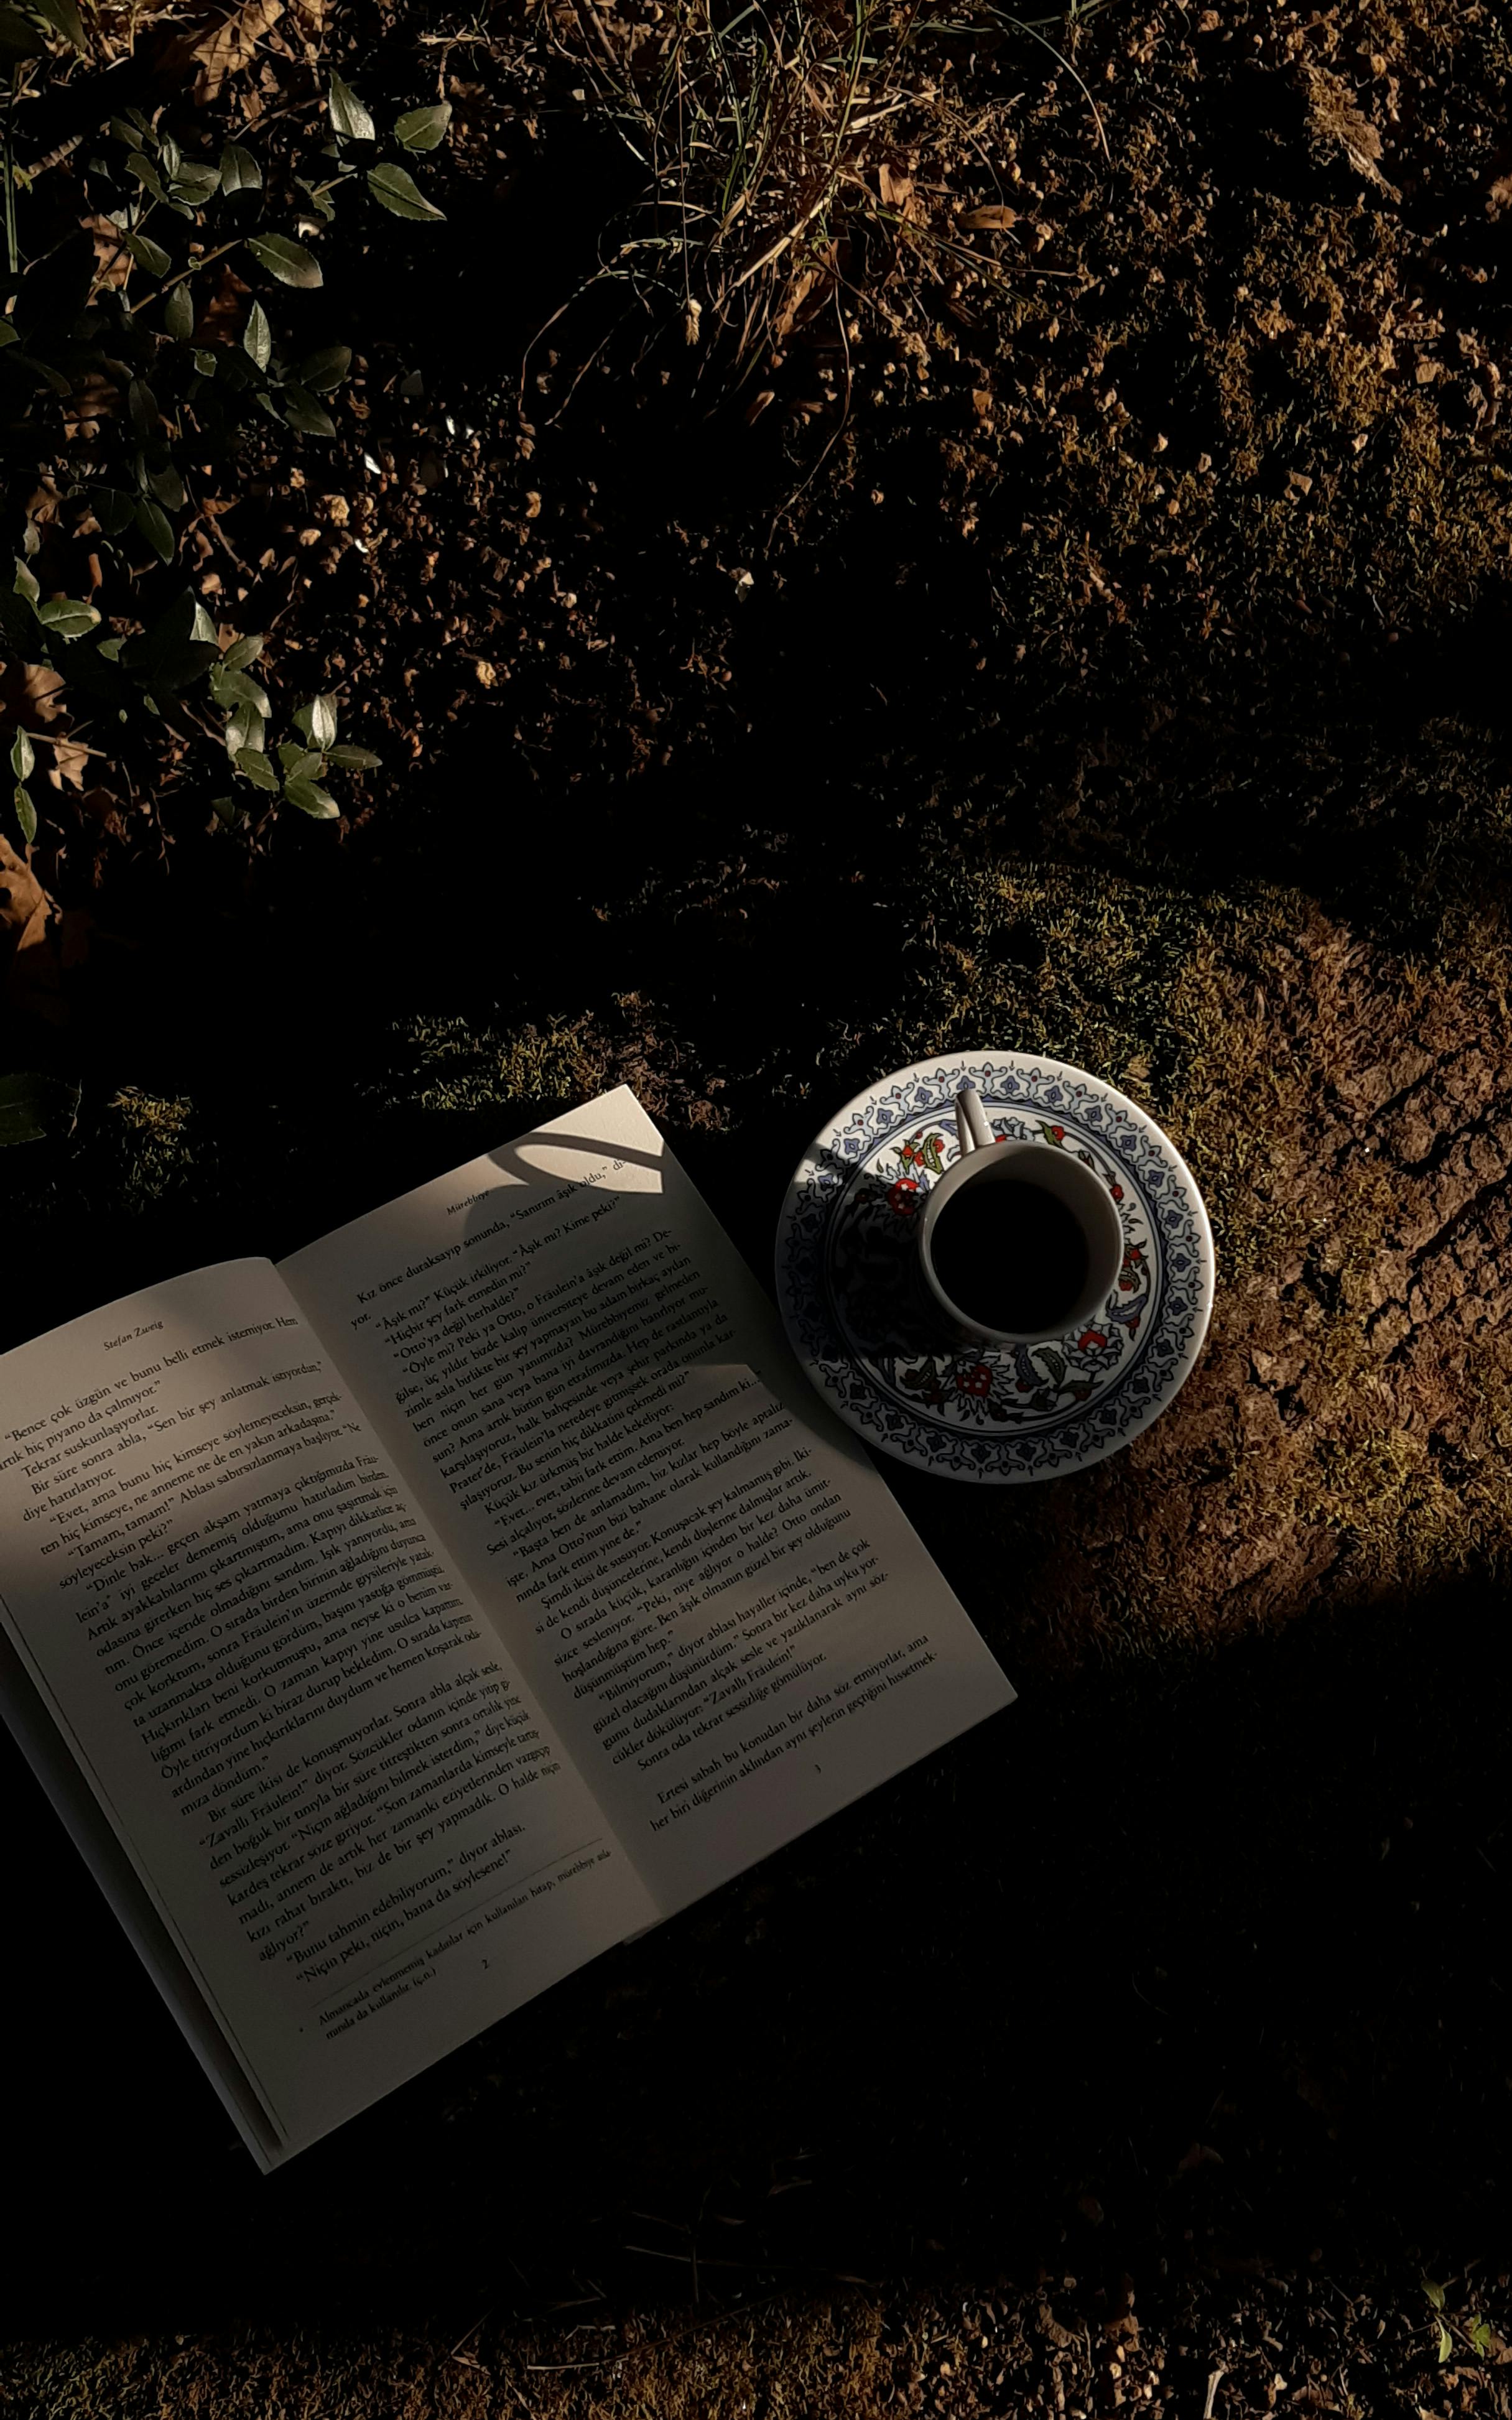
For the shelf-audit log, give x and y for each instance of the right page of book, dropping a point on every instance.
(699, 1571)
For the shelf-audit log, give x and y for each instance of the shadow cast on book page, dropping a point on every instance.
(697, 1570)
(339, 1829)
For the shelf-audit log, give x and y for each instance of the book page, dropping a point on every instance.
(343, 1806)
(699, 1571)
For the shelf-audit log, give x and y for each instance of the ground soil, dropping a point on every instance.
(1100, 651)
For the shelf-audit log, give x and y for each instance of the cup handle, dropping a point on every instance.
(972, 1128)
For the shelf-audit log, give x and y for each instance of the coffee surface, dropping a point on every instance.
(1009, 1254)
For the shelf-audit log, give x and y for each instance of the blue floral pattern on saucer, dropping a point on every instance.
(873, 1341)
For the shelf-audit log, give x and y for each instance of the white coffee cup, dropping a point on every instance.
(984, 1162)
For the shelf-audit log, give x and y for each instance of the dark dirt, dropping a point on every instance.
(1120, 674)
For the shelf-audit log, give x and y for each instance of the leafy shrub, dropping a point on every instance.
(116, 397)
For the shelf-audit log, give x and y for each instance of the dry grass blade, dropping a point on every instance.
(1021, 26)
(778, 144)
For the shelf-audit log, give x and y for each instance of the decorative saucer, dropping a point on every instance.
(861, 1322)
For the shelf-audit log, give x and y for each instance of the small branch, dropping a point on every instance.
(60, 739)
(202, 262)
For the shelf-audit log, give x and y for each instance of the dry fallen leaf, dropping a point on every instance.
(20, 897)
(29, 693)
(94, 399)
(1337, 123)
(113, 263)
(104, 808)
(991, 215)
(31, 967)
(70, 762)
(216, 42)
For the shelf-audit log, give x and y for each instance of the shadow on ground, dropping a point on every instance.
(1212, 1949)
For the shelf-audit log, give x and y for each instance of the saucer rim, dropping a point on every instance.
(915, 1453)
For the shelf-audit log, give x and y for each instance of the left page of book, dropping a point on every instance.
(347, 1819)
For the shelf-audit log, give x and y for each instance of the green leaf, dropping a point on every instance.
(256, 767)
(148, 254)
(122, 133)
(354, 760)
(242, 652)
(422, 130)
(318, 199)
(232, 688)
(34, 1107)
(141, 408)
(155, 527)
(285, 260)
(19, 39)
(258, 338)
(311, 799)
(318, 721)
(240, 172)
(25, 813)
(139, 166)
(54, 290)
(326, 369)
(68, 617)
(17, 624)
(1480, 2333)
(1446, 2342)
(167, 657)
(22, 756)
(64, 16)
(112, 509)
(301, 412)
(178, 314)
(44, 370)
(297, 761)
(1434, 2293)
(201, 629)
(204, 361)
(168, 488)
(193, 181)
(351, 118)
(27, 584)
(244, 728)
(397, 192)
(7, 334)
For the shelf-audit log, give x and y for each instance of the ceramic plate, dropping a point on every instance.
(861, 1322)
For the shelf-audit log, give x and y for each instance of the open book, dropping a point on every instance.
(399, 1627)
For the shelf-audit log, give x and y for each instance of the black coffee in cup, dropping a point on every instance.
(1009, 1255)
